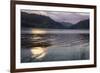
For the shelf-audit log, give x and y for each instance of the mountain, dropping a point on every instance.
(81, 25)
(66, 24)
(39, 21)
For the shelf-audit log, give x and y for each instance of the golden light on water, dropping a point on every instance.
(38, 31)
(36, 38)
(38, 52)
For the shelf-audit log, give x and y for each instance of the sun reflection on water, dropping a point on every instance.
(38, 31)
(38, 52)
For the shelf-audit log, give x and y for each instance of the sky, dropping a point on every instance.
(61, 16)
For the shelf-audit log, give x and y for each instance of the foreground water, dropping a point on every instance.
(40, 46)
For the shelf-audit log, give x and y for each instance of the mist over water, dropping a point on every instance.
(54, 45)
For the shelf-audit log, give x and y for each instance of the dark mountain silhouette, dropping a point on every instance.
(39, 21)
(66, 24)
(81, 25)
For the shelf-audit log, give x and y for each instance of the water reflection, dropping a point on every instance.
(38, 31)
(46, 45)
(38, 52)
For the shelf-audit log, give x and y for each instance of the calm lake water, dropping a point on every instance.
(54, 45)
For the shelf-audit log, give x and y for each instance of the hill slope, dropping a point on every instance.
(81, 25)
(39, 21)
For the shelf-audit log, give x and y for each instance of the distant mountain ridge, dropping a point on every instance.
(41, 21)
(81, 25)
(67, 24)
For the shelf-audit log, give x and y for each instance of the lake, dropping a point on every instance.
(41, 45)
